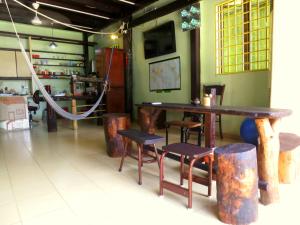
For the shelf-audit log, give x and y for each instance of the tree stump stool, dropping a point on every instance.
(113, 122)
(237, 183)
(288, 163)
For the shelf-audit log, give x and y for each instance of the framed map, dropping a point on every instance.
(165, 75)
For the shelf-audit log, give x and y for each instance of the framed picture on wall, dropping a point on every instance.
(165, 75)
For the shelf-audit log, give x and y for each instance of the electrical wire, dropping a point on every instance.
(66, 24)
(46, 95)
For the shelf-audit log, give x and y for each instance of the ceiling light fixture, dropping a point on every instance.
(114, 37)
(128, 2)
(73, 10)
(52, 44)
(36, 20)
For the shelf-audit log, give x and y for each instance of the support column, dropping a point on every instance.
(127, 45)
(74, 111)
(86, 52)
(195, 64)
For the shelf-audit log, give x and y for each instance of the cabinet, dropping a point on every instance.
(22, 67)
(115, 97)
(8, 64)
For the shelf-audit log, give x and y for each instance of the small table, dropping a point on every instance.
(141, 139)
(194, 154)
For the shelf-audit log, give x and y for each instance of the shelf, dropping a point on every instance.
(15, 78)
(55, 65)
(88, 79)
(66, 53)
(77, 60)
(54, 78)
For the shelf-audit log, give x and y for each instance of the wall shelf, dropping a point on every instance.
(77, 60)
(66, 53)
(38, 64)
(55, 78)
(15, 78)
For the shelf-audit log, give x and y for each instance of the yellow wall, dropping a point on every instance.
(285, 76)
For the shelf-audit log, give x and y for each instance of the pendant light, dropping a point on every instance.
(52, 45)
(36, 20)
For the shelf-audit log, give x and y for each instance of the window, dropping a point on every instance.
(243, 36)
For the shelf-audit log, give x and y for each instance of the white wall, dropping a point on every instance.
(285, 91)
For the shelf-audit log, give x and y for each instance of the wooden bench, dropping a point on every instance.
(194, 153)
(141, 139)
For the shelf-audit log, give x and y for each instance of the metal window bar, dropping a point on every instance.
(256, 30)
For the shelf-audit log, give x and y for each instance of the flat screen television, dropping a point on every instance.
(160, 40)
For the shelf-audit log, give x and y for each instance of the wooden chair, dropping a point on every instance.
(190, 121)
(219, 92)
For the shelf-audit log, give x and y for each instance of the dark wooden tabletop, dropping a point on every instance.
(253, 112)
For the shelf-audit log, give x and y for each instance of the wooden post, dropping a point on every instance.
(195, 64)
(74, 111)
(127, 46)
(237, 191)
(210, 124)
(267, 158)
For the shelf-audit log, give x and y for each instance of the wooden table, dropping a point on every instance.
(267, 121)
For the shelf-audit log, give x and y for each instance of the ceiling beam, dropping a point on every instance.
(75, 6)
(46, 38)
(112, 7)
(162, 11)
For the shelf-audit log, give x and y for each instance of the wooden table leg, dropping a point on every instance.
(74, 111)
(267, 158)
(51, 119)
(210, 130)
(147, 119)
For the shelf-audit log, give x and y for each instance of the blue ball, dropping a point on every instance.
(248, 131)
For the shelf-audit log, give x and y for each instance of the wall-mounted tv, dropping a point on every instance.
(160, 40)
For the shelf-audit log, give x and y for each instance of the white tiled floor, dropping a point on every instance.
(67, 178)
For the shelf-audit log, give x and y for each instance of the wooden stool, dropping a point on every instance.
(237, 183)
(112, 122)
(141, 139)
(288, 163)
(194, 154)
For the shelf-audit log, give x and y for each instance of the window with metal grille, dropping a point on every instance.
(243, 30)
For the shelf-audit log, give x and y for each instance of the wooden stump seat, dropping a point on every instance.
(289, 160)
(112, 122)
(194, 153)
(237, 183)
(141, 139)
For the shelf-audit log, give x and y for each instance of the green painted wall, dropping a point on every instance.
(247, 89)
